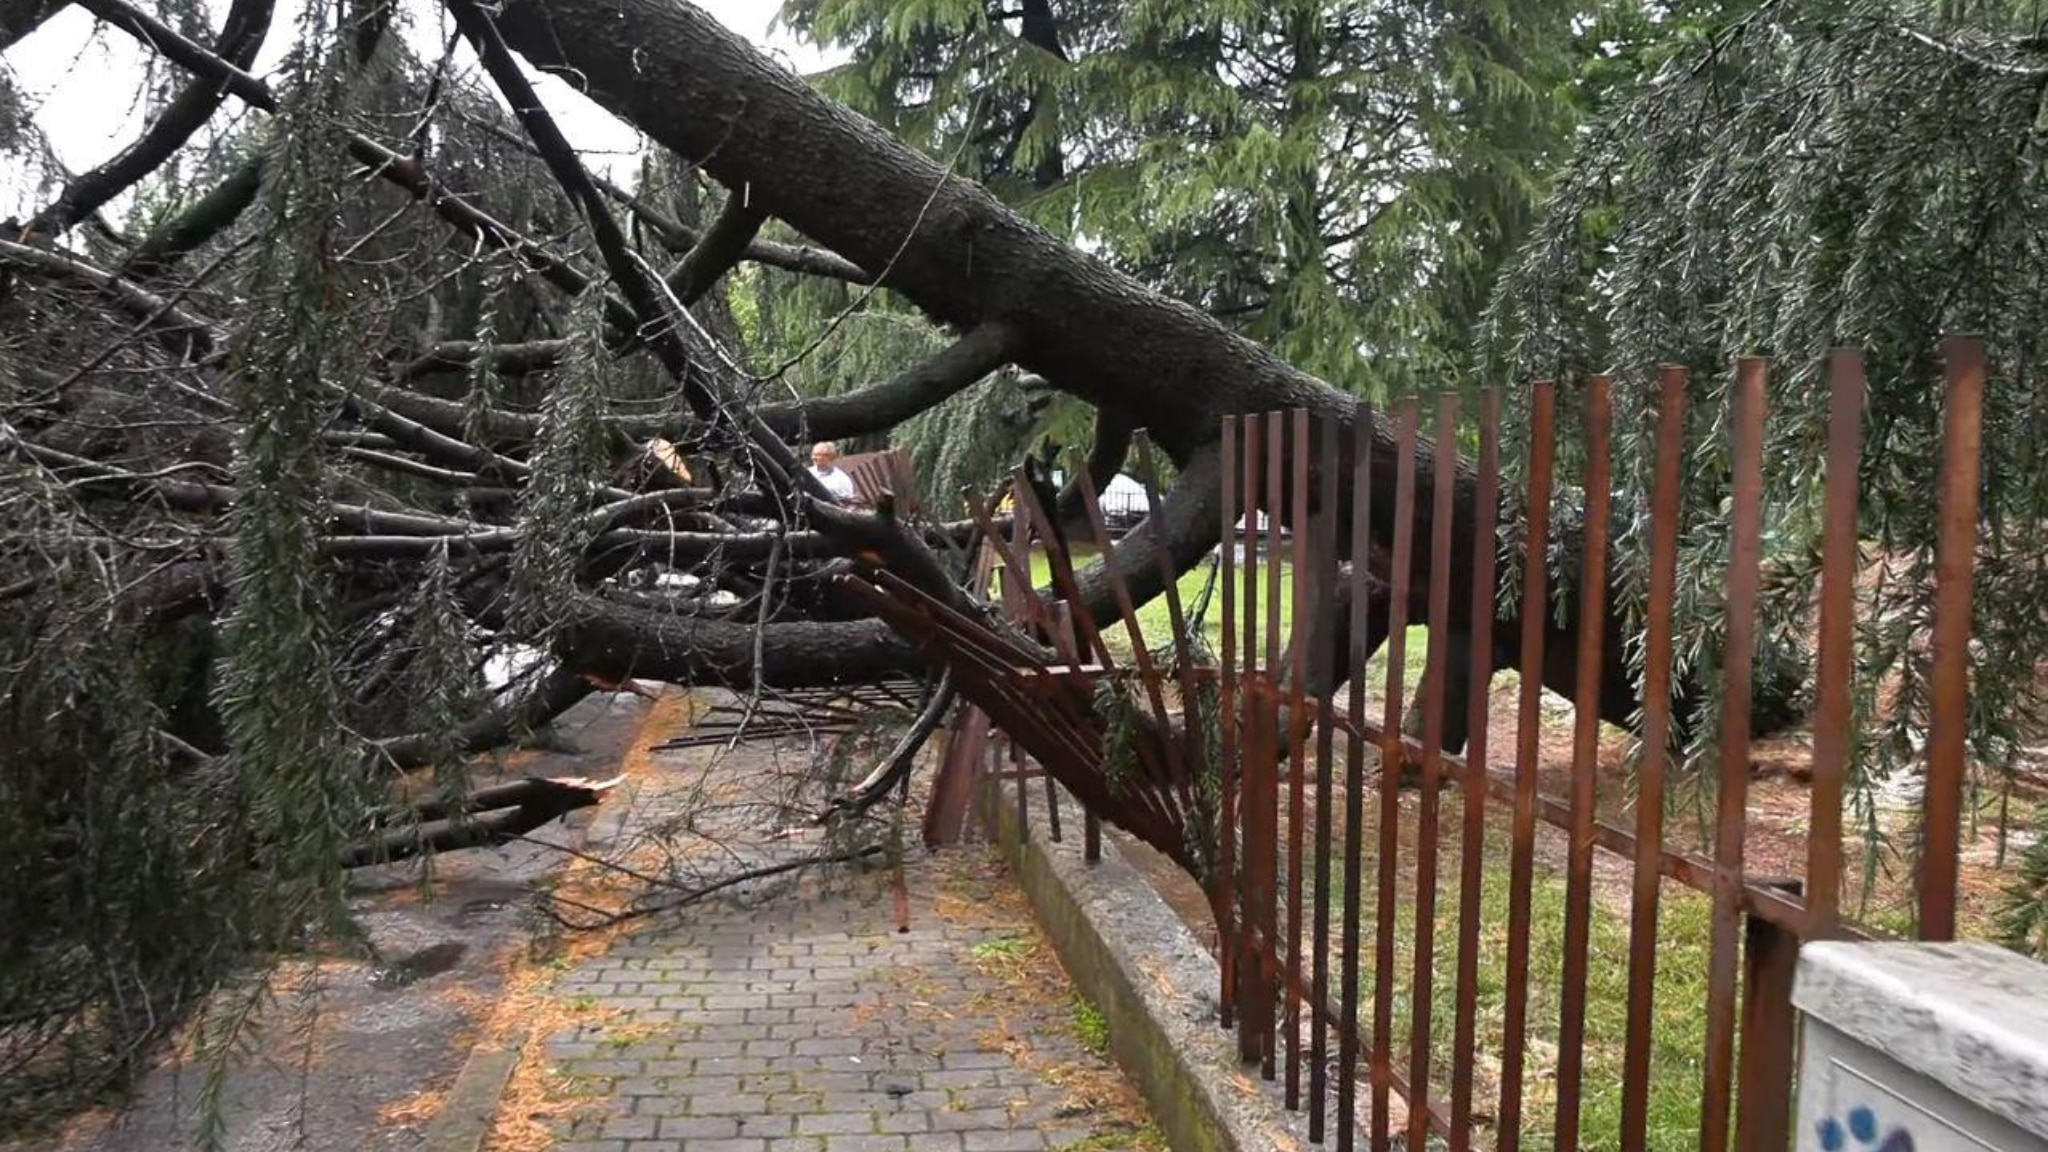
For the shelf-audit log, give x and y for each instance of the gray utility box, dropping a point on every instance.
(1922, 1048)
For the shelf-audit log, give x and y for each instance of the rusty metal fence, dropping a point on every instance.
(1329, 913)
(1280, 773)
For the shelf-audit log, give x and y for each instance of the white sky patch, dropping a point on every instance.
(83, 84)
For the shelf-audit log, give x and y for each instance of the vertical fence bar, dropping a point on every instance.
(1262, 845)
(1472, 830)
(1249, 962)
(1060, 619)
(1384, 926)
(1833, 712)
(1732, 809)
(1355, 656)
(1297, 747)
(1249, 585)
(1255, 999)
(1224, 888)
(1961, 440)
(1435, 672)
(1528, 735)
(1323, 654)
(1655, 756)
(1275, 504)
(1578, 905)
(1020, 540)
(1770, 959)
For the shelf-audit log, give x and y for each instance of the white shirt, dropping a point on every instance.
(837, 482)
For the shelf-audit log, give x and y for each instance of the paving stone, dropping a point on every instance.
(1005, 1140)
(968, 1119)
(739, 1104)
(629, 1127)
(868, 1143)
(828, 1123)
(767, 1125)
(697, 1127)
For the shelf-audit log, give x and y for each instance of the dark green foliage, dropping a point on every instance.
(2023, 919)
(1795, 178)
(181, 766)
(1341, 180)
(88, 779)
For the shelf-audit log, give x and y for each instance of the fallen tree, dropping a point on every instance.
(395, 396)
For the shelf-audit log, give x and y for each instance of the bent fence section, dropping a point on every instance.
(1429, 946)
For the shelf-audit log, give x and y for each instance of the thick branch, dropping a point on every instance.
(178, 331)
(662, 331)
(618, 642)
(213, 214)
(901, 760)
(983, 350)
(241, 34)
(1191, 516)
(947, 244)
(723, 245)
(506, 359)
(555, 694)
(1105, 459)
(542, 802)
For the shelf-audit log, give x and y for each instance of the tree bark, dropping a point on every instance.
(619, 641)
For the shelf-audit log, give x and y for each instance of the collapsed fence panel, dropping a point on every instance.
(1376, 945)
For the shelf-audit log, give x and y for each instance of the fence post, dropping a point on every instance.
(1255, 967)
(1770, 958)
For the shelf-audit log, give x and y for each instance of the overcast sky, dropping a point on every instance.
(82, 84)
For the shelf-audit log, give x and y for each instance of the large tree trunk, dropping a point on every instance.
(951, 248)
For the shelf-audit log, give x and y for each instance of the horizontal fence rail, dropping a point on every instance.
(1419, 936)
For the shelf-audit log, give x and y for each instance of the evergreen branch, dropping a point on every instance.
(981, 351)
(655, 323)
(181, 333)
(681, 238)
(241, 34)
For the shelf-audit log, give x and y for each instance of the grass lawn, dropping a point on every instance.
(1678, 1035)
(1155, 619)
(1684, 942)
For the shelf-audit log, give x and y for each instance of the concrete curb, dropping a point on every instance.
(1153, 982)
(464, 1121)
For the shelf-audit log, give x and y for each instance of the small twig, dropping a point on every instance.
(895, 767)
(687, 896)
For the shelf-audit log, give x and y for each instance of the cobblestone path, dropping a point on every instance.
(811, 1022)
(795, 1015)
